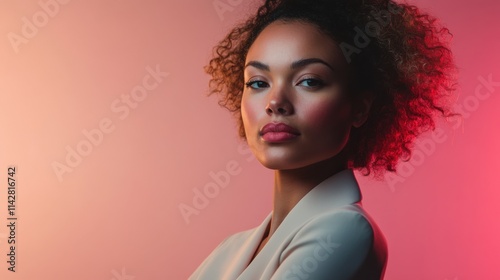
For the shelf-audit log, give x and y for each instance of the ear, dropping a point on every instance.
(362, 109)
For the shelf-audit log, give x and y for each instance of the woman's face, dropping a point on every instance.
(296, 76)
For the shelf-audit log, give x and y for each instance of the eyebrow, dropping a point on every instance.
(296, 64)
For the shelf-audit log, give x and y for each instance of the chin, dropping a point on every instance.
(280, 164)
(273, 164)
(289, 163)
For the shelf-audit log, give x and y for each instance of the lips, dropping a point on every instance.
(278, 133)
(278, 127)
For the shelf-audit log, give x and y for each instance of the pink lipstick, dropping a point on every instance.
(278, 132)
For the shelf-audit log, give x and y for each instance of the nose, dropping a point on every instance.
(279, 102)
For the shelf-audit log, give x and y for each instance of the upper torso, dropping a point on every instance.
(327, 235)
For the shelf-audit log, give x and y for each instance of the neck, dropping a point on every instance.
(290, 186)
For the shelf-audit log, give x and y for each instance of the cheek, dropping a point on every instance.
(248, 114)
(250, 117)
(329, 116)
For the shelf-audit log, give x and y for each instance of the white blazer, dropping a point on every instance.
(327, 235)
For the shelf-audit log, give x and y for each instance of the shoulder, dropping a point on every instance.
(345, 222)
(238, 237)
(336, 242)
(234, 240)
(222, 256)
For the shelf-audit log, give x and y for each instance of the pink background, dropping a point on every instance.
(116, 214)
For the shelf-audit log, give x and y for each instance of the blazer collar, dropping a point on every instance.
(338, 190)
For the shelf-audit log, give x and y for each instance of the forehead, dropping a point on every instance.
(284, 42)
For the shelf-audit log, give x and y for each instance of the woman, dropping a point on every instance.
(321, 88)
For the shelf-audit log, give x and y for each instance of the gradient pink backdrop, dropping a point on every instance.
(116, 214)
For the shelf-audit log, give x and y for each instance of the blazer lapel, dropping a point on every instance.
(338, 190)
(247, 250)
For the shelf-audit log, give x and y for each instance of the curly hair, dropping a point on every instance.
(396, 52)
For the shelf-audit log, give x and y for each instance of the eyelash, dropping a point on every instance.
(250, 83)
(319, 83)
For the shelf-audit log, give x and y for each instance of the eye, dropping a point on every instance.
(311, 82)
(256, 84)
